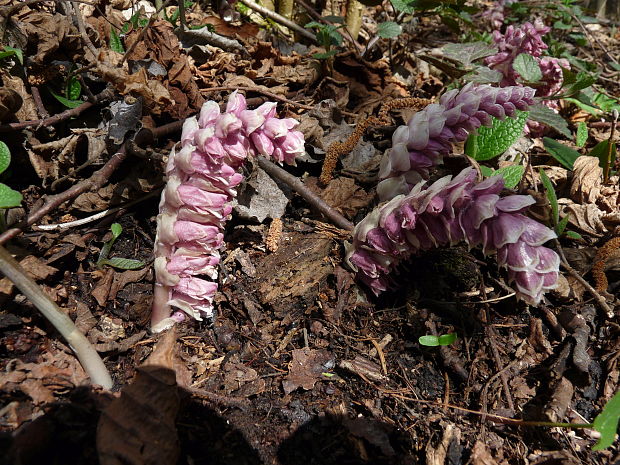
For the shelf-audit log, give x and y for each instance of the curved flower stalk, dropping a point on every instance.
(450, 211)
(430, 133)
(197, 200)
(528, 39)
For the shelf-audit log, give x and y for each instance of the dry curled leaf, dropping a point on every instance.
(307, 368)
(139, 427)
(587, 178)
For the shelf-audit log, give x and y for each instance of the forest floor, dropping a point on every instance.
(301, 363)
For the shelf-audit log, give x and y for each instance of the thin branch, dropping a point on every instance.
(85, 352)
(280, 19)
(97, 180)
(259, 90)
(298, 186)
(80, 23)
(52, 120)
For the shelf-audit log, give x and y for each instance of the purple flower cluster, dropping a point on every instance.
(450, 211)
(495, 14)
(430, 133)
(528, 39)
(196, 202)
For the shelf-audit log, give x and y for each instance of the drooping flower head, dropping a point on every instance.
(430, 133)
(197, 200)
(450, 211)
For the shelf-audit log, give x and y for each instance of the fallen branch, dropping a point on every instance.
(85, 352)
(52, 120)
(298, 186)
(280, 19)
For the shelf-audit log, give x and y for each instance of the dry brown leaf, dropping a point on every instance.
(345, 196)
(34, 267)
(28, 109)
(587, 178)
(306, 368)
(139, 427)
(588, 218)
(156, 96)
(48, 33)
(481, 455)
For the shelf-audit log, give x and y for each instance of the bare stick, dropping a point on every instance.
(10, 127)
(97, 180)
(85, 352)
(280, 19)
(298, 186)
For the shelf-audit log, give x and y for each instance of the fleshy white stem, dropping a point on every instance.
(86, 353)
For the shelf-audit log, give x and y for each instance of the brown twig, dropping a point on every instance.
(97, 180)
(52, 120)
(280, 19)
(338, 149)
(38, 102)
(260, 91)
(80, 23)
(298, 186)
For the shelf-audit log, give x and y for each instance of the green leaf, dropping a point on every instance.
(447, 339)
(490, 142)
(66, 102)
(606, 423)
(12, 51)
(605, 103)
(116, 45)
(389, 30)
(573, 83)
(601, 151)
(116, 229)
(547, 116)
(582, 134)
(324, 56)
(123, 263)
(565, 155)
(584, 106)
(573, 235)
(484, 75)
(9, 198)
(527, 67)
(406, 6)
(512, 175)
(429, 340)
(551, 196)
(559, 229)
(469, 52)
(486, 171)
(5, 157)
(74, 88)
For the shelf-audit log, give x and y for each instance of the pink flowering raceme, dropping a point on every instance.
(202, 177)
(450, 211)
(528, 39)
(430, 133)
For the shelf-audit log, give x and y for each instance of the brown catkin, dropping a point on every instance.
(598, 270)
(338, 149)
(273, 235)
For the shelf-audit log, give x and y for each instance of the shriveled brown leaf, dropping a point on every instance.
(28, 109)
(364, 368)
(56, 371)
(588, 218)
(34, 267)
(481, 455)
(345, 196)
(156, 97)
(307, 368)
(48, 33)
(161, 45)
(139, 428)
(587, 179)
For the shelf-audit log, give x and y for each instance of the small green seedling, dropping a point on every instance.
(327, 35)
(116, 262)
(9, 198)
(433, 341)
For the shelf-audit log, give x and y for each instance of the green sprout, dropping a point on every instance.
(116, 262)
